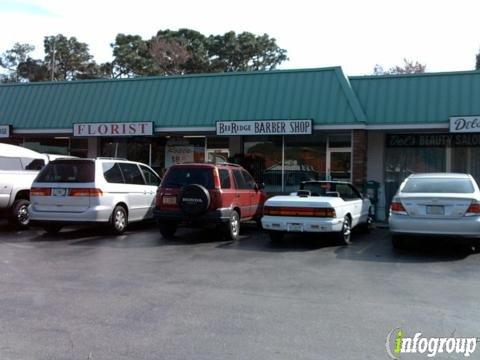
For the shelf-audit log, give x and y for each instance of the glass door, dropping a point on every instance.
(339, 165)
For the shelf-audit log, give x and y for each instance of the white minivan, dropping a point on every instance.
(102, 190)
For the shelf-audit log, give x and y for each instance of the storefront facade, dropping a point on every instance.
(283, 126)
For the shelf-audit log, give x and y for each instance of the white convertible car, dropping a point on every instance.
(319, 206)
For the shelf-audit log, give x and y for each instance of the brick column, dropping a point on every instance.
(359, 153)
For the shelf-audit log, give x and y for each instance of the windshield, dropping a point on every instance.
(438, 185)
(68, 171)
(178, 177)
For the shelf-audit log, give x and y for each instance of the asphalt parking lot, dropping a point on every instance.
(84, 294)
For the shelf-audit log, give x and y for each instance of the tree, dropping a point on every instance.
(67, 58)
(477, 61)
(244, 52)
(409, 67)
(187, 51)
(11, 59)
(194, 43)
(169, 55)
(131, 56)
(33, 70)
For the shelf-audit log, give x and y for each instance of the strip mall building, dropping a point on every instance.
(283, 126)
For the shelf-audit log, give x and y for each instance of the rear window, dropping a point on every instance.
(438, 185)
(180, 176)
(68, 171)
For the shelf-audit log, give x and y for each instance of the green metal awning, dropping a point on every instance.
(190, 101)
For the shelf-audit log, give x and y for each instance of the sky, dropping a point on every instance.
(352, 34)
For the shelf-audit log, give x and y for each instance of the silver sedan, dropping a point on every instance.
(435, 204)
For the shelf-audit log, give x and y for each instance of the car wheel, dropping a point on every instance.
(368, 225)
(119, 220)
(345, 235)
(52, 228)
(276, 236)
(398, 242)
(233, 227)
(167, 229)
(19, 216)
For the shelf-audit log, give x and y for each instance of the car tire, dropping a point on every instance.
(232, 228)
(167, 229)
(398, 242)
(367, 227)
(52, 229)
(119, 220)
(344, 236)
(276, 236)
(19, 216)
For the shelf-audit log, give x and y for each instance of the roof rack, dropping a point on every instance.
(211, 162)
(109, 158)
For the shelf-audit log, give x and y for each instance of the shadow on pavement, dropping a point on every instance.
(377, 247)
(253, 239)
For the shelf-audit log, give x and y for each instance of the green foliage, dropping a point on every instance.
(169, 52)
(131, 56)
(409, 67)
(244, 52)
(67, 58)
(33, 70)
(12, 58)
(187, 51)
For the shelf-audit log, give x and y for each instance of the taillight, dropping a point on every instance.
(215, 199)
(298, 211)
(91, 192)
(473, 209)
(396, 207)
(216, 179)
(36, 191)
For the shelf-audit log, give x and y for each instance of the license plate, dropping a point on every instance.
(435, 210)
(295, 227)
(59, 192)
(169, 200)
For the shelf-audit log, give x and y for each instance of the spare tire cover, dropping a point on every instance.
(194, 200)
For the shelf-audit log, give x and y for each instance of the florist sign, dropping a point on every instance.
(113, 129)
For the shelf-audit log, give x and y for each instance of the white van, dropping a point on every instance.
(82, 191)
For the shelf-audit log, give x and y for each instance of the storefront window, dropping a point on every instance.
(400, 162)
(218, 149)
(466, 160)
(131, 149)
(79, 147)
(305, 159)
(263, 159)
(58, 146)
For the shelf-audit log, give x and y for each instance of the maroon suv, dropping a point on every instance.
(196, 194)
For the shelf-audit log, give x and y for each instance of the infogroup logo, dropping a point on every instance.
(397, 343)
